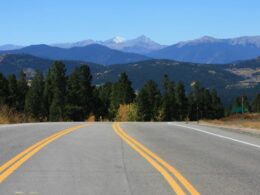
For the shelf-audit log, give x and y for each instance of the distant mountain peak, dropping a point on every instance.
(75, 44)
(254, 40)
(114, 40)
(204, 39)
(143, 38)
(244, 41)
(118, 39)
(7, 47)
(207, 38)
(212, 50)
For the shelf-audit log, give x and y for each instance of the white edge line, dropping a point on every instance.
(31, 124)
(217, 135)
(22, 124)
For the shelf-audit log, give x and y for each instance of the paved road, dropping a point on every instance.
(100, 159)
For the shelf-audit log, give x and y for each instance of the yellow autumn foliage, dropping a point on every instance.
(127, 112)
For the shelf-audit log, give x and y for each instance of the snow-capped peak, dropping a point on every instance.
(118, 39)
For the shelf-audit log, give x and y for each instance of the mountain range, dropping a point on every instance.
(210, 50)
(140, 45)
(91, 53)
(118, 50)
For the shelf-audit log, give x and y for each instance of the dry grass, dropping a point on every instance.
(249, 120)
(9, 116)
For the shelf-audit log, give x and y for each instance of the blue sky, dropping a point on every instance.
(165, 21)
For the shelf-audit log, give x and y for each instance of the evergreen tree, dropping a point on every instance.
(256, 103)
(3, 90)
(79, 94)
(181, 101)
(55, 91)
(168, 107)
(201, 103)
(194, 99)
(148, 102)
(206, 110)
(217, 107)
(47, 94)
(102, 101)
(86, 90)
(74, 111)
(122, 93)
(56, 108)
(22, 89)
(241, 105)
(12, 92)
(34, 103)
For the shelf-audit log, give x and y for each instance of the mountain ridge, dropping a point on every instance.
(140, 45)
(211, 50)
(207, 49)
(94, 53)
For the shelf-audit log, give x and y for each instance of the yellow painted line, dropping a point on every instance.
(175, 187)
(17, 157)
(174, 171)
(9, 167)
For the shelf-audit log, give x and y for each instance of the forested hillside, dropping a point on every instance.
(229, 80)
(58, 97)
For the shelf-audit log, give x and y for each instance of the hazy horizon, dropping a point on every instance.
(75, 41)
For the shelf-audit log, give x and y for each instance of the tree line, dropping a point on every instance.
(58, 97)
(242, 105)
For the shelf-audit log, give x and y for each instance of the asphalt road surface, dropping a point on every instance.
(127, 158)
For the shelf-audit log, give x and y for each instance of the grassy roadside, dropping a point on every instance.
(10, 116)
(238, 121)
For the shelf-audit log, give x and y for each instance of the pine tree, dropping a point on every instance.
(256, 103)
(79, 102)
(241, 105)
(168, 107)
(56, 91)
(22, 89)
(102, 98)
(3, 90)
(73, 109)
(148, 102)
(86, 90)
(12, 92)
(194, 99)
(122, 93)
(56, 108)
(204, 104)
(206, 110)
(181, 101)
(34, 103)
(47, 94)
(217, 107)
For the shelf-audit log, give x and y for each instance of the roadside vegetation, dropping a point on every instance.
(61, 97)
(9, 116)
(247, 120)
(242, 114)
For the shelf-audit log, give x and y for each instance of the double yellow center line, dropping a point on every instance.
(166, 170)
(13, 164)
